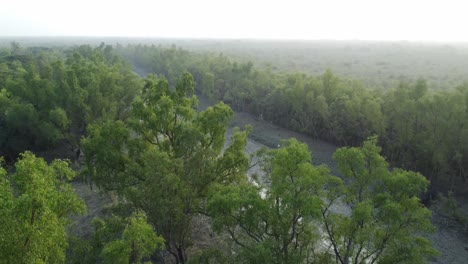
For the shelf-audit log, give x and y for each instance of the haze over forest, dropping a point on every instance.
(233, 132)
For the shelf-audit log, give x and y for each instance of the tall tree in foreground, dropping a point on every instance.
(387, 220)
(35, 203)
(166, 157)
(275, 221)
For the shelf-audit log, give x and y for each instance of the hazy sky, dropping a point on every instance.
(443, 20)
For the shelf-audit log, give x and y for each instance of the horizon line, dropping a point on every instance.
(232, 39)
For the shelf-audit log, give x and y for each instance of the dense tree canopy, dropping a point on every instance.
(52, 95)
(169, 163)
(164, 159)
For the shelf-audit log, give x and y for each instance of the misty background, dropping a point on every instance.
(415, 20)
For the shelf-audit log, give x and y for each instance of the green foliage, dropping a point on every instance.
(274, 221)
(52, 95)
(291, 215)
(387, 219)
(88, 249)
(116, 240)
(166, 159)
(448, 208)
(166, 156)
(138, 241)
(35, 202)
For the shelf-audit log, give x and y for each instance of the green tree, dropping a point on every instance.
(138, 241)
(386, 219)
(275, 221)
(165, 158)
(88, 249)
(35, 202)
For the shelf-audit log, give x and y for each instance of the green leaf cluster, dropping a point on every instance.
(387, 221)
(35, 203)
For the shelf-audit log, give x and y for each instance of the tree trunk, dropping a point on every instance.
(181, 255)
(133, 253)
